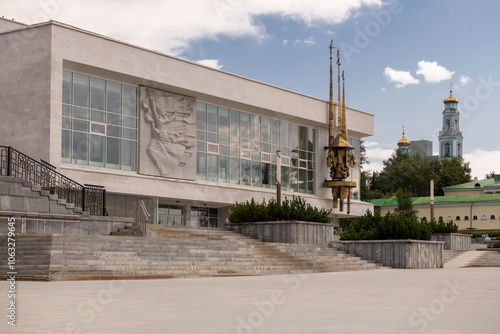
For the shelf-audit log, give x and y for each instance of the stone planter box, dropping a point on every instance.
(453, 241)
(293, 232)
(403, 254)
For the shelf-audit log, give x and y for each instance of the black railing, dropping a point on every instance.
(89, 197)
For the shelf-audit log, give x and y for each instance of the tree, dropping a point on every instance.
(405, 206)
(409, 172)
(490, 175)
(449, 172)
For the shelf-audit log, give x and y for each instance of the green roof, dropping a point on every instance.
(476, 184)
(393, 201)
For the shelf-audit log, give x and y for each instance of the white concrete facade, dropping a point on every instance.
(33, 61)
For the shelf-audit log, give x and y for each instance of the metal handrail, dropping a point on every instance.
(90, 198)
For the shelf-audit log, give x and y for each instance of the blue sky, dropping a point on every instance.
(399, 57)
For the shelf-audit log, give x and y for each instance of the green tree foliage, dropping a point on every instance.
(296, 209)
(406, 171)
(443, 227)
(448, 172)
(412, 173)
(490, 175)
(390, 226)
(405, 206)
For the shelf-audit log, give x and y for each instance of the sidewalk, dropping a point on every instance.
(464, 300)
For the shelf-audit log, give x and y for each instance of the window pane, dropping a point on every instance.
(284, 177)
(212, 163)
(201, 116)
(67, 87)
(245, 125)
(66, 111)
(213, 138)
(201, 166)
(128, 154)
(303, 137)
(223, 169)
(114, 97)
(265, 126)
(255, 125)
(223, 150)
(275, 132)
(80, 148)
(97, 93)
(129, 134)
(81, 90)
(81, 113)
(201, 146)
(66, 124)
(97, 150)
(212, 118)
(245, 172)
(98, 128)
(294, 136)
(66, 146)
(284, 134)
(235, 123)
(114, 131)
(114, 119)
(79, 125)
(266, 175)
(129, 100)
(224, 121)
(98, 116)
(129, 122)
(234, 176)
(113, 153)
(256, 174)
(310, 182)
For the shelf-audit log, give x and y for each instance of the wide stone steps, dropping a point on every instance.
(488, 259)
(168, 252)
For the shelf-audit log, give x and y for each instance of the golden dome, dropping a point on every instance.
(403, 141)
(450, 99)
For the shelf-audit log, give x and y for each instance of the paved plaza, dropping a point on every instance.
(453, 300)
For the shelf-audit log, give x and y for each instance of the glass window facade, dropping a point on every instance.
(99, 122)
(237, 147)
(204, 217)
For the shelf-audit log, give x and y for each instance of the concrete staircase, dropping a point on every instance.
(168, 252)
(488, 259)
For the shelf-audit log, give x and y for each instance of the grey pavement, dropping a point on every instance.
(461, 300)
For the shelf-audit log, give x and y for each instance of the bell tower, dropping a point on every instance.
(450, 137)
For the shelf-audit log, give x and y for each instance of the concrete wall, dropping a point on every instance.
(25, 91)
(297, 232)
(454, 241)
(403, 254)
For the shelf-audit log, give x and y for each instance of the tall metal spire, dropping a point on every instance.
(331, 117)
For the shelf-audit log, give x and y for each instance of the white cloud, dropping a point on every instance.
(285, 42)
(376, 155)
(382, 90)
(464, 80)
(210, 63)
(308, 41)
(482, 162)
(169, 26)
(433, 72)
(401, 78)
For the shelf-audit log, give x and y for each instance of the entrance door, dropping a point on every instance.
(172, 215)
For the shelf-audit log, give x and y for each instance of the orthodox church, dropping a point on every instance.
(450, 137)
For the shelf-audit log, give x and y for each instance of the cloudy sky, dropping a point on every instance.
(399, 57)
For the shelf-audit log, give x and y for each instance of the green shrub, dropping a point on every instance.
(441, 227)
(495, 245)
(296, 209)
(391, 226)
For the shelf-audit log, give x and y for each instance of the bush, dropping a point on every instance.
(495, 245)
(442, 227)
(391, 226)
(296, 209)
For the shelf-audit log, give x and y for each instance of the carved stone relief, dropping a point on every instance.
(167, 134)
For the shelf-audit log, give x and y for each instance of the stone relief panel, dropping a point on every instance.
(167, 134)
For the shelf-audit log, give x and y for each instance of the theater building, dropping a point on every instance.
(172, 141)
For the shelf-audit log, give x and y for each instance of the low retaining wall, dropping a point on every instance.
(453, 241)
(293, 232)
(33, 223)
(404, 254)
